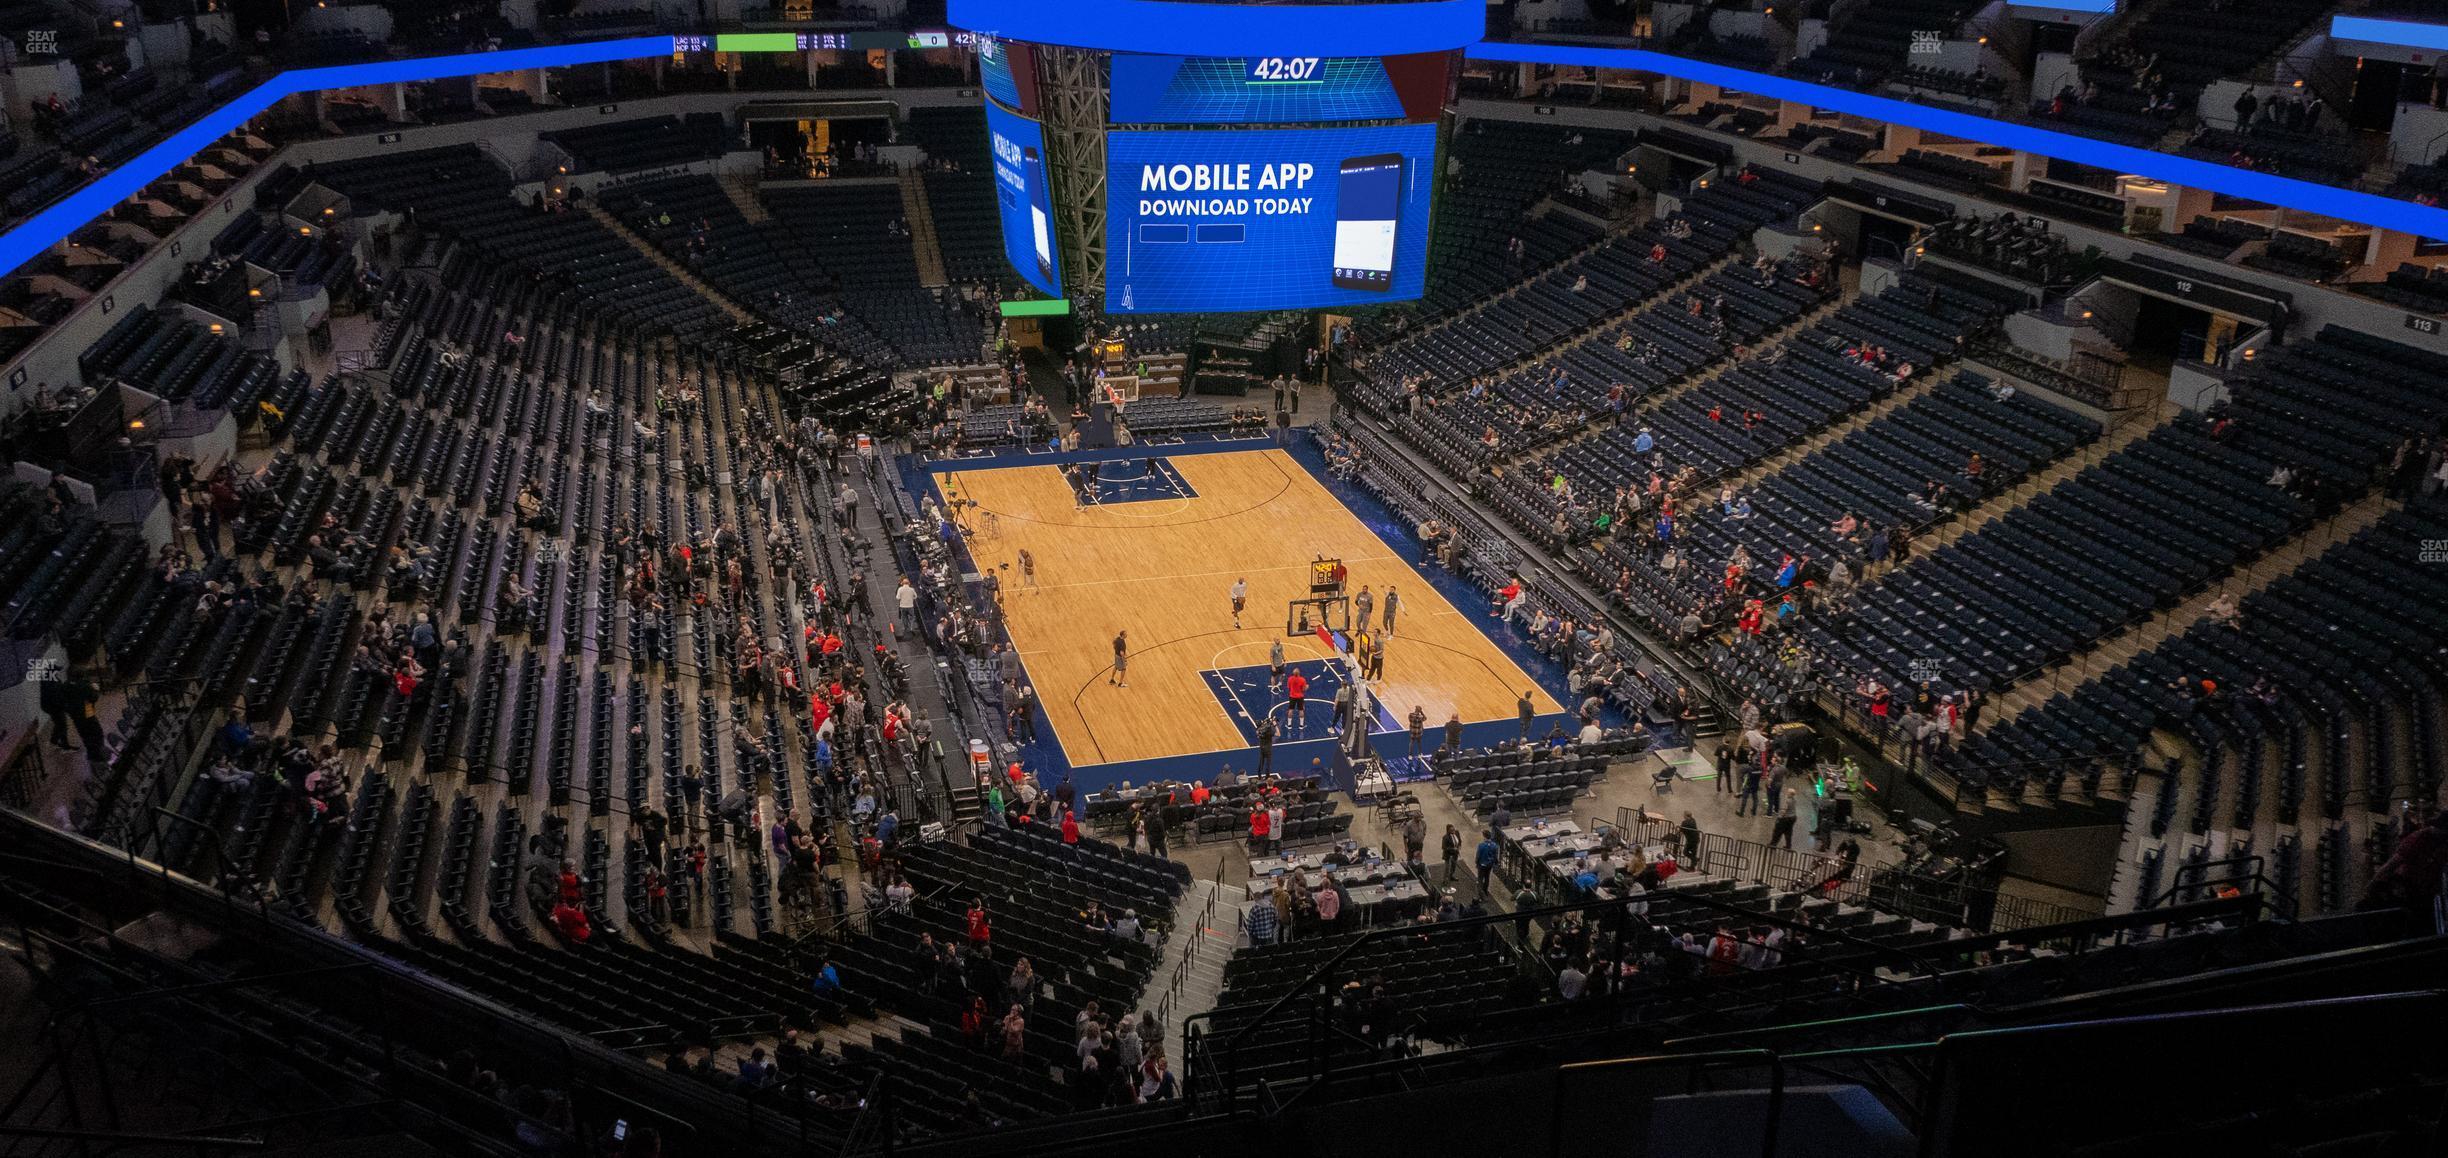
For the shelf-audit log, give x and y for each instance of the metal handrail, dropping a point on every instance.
(118, 1139)
(1879, 1018)
(871, 1108)
(1196, 949)
(2246, 870)
(1232, 1046)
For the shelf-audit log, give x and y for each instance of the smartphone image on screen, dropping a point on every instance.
(1367, 201)
(1041, 212)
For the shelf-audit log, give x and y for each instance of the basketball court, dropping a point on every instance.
(1160, 564)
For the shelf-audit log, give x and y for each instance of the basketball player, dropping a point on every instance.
(1240, 599)
(1121, 672)
(1296, 695)
(1275, 665)
(1028, 575)
(1391, 602)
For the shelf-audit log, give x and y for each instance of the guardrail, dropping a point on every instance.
(1194, 951)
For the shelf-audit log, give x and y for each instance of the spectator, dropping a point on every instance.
(1261, 920)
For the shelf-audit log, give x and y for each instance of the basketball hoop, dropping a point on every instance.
(1306, 616)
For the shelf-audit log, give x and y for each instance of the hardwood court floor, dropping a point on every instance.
(1163, 569)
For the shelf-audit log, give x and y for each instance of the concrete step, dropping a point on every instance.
(1897, 399)
(2007, 501)
(1190, 974)
(742, 191)
(657, 256)
(2256, 575)
(924, 243)
(1529, 275)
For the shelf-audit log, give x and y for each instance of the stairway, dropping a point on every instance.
(1629, 319)
(742, 191)
(923, 242)
(1896, 399)
(968, 804)
(1530, 275)
(2005, 502)
(2106, 653)
(2124, 883)
(1190, 968)
(1631, 313)
(657, 256)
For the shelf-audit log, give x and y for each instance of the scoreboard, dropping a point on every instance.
(859, 40)
(1179, 156)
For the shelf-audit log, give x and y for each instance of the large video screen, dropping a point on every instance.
(1024, 198)
(1008, 74)
(1266, 219)
(1197, 90)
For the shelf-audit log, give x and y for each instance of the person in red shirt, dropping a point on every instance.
(1508, 597)
(1296, 693)
(1070, 827)
(975, 1022)
(572, 922)
(979, 932)
(1198, 793)
(569, 882)
(1749, 623)
(2411, 876)
(818, 712)
(1260, 830)
(1724, 953)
